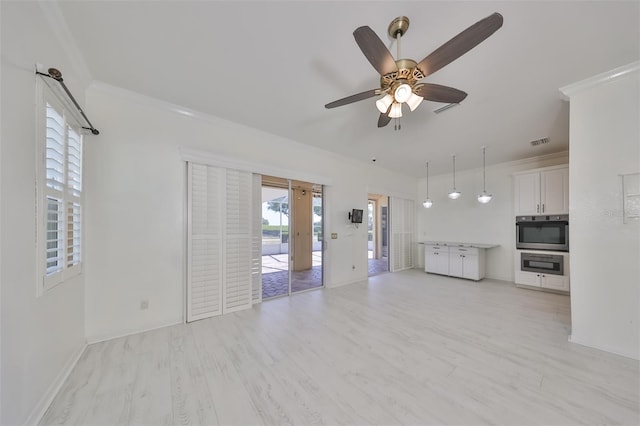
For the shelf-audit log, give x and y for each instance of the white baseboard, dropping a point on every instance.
(604, 348)
(343, 283)
(123, 333)
(41, 407)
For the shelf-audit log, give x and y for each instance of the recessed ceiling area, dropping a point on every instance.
(274, 65)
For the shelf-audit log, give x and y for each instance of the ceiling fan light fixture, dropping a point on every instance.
(383, 103)
(414, 101)
(402, 93)
(396, 110)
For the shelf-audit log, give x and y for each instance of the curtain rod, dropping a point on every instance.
(57, 75)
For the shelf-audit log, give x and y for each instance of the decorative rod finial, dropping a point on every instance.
(55, 73)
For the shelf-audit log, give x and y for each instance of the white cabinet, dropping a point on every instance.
(462, 262)
(466, 262)
(545, 281)
(542, 192)
(436, 259)
(540, 279)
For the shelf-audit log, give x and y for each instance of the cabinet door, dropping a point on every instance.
(528, 278)
(436, 262)
(554, 190)
(470, 267)
(555, 282)
(527, 194)
(456, 265)
(430, 261)
(443, 263)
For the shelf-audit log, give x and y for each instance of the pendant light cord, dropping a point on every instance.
(484, 171)
(427, 180)
(454, 172)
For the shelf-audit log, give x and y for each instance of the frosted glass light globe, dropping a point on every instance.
(484, 198)
(402, 93)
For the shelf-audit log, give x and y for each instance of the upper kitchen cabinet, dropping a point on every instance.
(544, 191)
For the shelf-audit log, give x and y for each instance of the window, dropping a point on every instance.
(59, 194)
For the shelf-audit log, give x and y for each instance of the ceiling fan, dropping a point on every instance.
(400, 80)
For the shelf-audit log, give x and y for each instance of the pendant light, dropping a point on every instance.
(427, 203)
(484, 197)
(454, 194)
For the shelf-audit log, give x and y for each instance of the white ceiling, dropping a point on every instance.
(274, 65)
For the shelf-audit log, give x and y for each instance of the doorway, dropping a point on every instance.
(292, 237)
(378, 234)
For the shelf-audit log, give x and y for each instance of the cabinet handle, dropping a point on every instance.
(542, 207)
(538, 208)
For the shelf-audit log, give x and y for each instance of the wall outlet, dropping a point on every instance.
(144, 305)
(334, 236)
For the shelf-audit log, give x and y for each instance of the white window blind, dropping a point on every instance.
(59, 200)
(402, 224)
(219, 240)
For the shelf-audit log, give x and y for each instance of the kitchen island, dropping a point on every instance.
(456, 259)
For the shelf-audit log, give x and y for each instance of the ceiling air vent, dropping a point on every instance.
(539, 141)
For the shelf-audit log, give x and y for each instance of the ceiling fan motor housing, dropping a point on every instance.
(407, 74)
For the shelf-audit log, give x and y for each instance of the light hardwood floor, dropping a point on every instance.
(404, 348)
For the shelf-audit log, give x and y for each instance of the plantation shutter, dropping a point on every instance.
(219, 244)
(204, 241)
(256, 240)
(54, 195)
(402, 219)
(237, 254)
(74, 192)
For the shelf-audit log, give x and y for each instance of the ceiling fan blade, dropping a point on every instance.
(438, 93)
(353, 98)
(384, 118)
(375, 50)
(460, 44)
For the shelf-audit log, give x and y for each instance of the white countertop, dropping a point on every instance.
(456, 244)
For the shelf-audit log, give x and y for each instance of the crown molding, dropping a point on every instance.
(599, 79)
(59, 27)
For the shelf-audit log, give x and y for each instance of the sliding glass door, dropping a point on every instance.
(292, 244)
(307, 237)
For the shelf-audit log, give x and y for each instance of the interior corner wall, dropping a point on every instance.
(135, 202)
(466, 220)
(41, 337)
(605, 252)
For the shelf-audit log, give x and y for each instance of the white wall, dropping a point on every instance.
(135, 200)
(466, 220)
(41, 336)
(605, 253)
